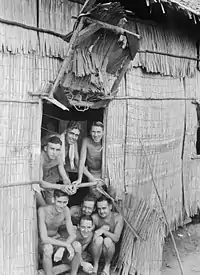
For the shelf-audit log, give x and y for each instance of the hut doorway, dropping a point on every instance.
(55, 121)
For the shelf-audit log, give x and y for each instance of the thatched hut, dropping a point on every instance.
(151, 123)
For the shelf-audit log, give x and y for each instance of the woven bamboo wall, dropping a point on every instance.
(159, 125)
(27, 60)
(191, 167)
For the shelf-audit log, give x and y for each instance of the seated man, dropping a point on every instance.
(85, 209)
(51, 168)
(108, 228)
(50, 218)
(84, 234)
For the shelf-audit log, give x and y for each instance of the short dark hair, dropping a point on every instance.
(59, 193)
(104, 198)
(74, 125)
(86, 218)
(55, 140)
(89, 198)
(97, 123)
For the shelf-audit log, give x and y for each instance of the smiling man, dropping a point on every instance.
(51, 170)
(108, 229)
(86, 208)
(91, 156)
(50, 218)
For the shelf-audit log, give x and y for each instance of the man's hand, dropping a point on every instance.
(101, 231)
(71, 252)
(87, 267)
(77, 182)
(59, 254)
(69, 189)
(105, 227)
(67, 181)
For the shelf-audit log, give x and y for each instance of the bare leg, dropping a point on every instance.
(77, 258)
(96, 250)
(47, 259)
(108, 251)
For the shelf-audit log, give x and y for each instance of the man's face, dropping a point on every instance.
(61, 203)
(96, 133)
(72, 136)
(85, 228)
(103, 208)
(87, 208)
(53, 150)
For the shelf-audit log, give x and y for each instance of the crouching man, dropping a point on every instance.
(108, 229)
(50, 218)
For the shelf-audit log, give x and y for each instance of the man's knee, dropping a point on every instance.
(48, 250)
(98, 241)
(108, 243)
(77, 247)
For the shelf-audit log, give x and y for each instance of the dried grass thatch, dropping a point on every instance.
(160, 39)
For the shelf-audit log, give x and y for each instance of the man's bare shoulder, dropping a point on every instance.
(117, 217)
(95, 217)
(67, 212)
(44, 209)
(87, 141)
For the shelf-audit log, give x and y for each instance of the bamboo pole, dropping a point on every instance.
(163, 210)
(66, 63)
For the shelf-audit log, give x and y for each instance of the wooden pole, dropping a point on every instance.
(66, 63)
(163, 210)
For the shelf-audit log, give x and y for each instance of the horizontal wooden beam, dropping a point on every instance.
(81, 103)
(113, 28)
(86, 32)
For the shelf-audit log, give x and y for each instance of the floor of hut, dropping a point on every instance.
(188, 245)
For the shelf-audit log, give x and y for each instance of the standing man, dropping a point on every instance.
(50, 218)
(91, 156)
(72, 134)
(108, 229)
(51, 169)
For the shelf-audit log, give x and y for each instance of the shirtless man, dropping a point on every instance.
(84, 235)
(85, 209)
(91, 156)
(50, 218)
(108, 229)
(51, 168)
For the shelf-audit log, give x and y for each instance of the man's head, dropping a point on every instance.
(53, 147)
(73, 132)
(104, 206)
(96, 131)
(85, 226)
(88, 205)
(60, 200)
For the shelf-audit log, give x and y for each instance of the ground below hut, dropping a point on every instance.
(188, 245)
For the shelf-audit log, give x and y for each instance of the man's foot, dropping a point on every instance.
(106, 270)
(95, 269)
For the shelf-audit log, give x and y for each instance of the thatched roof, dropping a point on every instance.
(190, 8)
(189, 5)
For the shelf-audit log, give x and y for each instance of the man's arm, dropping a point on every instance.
(69, 226)
(45, 184)
(117, 232)
(43, 231)
(63, 174)
(82, 168)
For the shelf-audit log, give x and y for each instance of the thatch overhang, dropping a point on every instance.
(99, 53)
